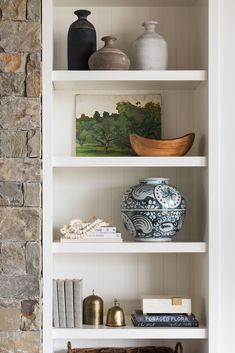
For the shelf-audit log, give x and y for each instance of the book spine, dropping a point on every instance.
(170, 318)
(69, 303)
(106, 230)
(77, 291)
(55, 305)
(164, 324)
(164, 318)
(61, 303)
(141, 324)
(103, 235)
(91, 240)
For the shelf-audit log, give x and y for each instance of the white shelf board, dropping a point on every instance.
(145, 3)
(129, 247)
(101, 80)
(130, 332)
(73, 162)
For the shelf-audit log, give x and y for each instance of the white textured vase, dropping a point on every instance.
(150, 50)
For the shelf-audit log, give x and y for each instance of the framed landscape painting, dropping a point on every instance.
(104, 122)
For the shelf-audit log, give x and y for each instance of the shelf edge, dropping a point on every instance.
(131, 333)
(129, 247)
(76, 162)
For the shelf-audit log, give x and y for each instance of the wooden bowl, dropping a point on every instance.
(172, 147)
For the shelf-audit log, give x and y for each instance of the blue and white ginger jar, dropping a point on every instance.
(153, 210)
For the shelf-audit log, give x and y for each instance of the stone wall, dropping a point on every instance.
(20, 175)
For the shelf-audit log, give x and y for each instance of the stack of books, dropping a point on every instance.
(99, 235)
(67, 303)
(164, 311)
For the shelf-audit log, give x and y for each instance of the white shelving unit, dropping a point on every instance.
(93, 186)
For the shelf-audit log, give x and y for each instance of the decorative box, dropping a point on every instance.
(166, 305)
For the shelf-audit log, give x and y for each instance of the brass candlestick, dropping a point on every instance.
(93, 310)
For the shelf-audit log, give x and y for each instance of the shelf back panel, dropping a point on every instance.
(85, 193)
(128, 277)
(184, 28)
(182, 112)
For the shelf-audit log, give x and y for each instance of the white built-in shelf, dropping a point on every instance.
(129, 247)
(101, 80)
(71, 162)
(130, 332)
(145, 3)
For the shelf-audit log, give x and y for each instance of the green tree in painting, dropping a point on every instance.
(103, 130)
(97, 116)
(83, 127)
(98, 129)
(144, 121)
(109, 130)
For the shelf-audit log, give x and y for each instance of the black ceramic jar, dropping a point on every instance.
(81, 41)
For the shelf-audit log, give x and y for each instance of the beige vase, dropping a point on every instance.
(109, 57)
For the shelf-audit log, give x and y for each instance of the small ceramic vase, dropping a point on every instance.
(150, 50)
(109, 57)
(81, 41)
(153, 210)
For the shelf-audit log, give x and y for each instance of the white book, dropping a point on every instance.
(91, 240)
(55, 305)
(69, 308)
(105, 230)
(61, 303)
(78, 299)
(103, 235)
(166, 305)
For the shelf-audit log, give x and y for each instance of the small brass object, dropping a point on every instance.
(93, 310)
(115, 316)
(176, 301)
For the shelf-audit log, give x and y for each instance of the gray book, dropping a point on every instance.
(69, 303)
(55, 305)
(61, 302)
(77, 292)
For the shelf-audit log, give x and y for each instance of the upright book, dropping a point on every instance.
(55, 305)
(61, 302)
(69, 307)
(77, 292)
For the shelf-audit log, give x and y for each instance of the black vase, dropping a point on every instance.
(81, 41)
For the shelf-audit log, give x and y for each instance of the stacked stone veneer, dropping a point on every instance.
(20, 175)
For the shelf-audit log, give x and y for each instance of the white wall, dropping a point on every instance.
(227, 175)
